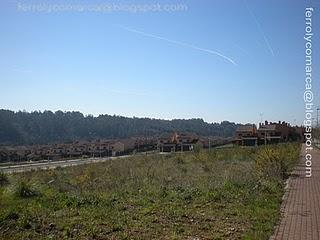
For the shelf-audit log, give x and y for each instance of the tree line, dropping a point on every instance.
(49, 127)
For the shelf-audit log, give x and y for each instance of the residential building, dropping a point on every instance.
(177, 142)
(272, 132)
(246, 135)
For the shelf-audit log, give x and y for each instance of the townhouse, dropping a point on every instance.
(177, 142)
(268, 133)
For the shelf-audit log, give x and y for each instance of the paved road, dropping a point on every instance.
(301, 207)
(54, 164)
(51, 164)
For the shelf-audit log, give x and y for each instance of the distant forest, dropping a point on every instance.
(49, 127)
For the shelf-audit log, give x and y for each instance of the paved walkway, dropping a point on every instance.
(301, 206)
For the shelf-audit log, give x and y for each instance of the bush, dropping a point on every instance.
(268, 164)
(3, 179)
(276, 162)
(24, 190)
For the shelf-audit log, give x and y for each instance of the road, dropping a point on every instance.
(61, 163)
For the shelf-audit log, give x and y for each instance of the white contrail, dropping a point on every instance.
(260, 30)
(135, 93)
(21, 70)
(181, 44)
(149, 93)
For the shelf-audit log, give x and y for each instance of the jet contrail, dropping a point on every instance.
(135, 93)
(260, 30)
(181, 44)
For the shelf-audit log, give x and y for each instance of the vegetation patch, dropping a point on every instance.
(3, 179)
(24, 190)
(231, 193)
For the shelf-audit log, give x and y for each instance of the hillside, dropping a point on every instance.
(48, 127)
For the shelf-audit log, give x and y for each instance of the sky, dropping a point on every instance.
(235, 60)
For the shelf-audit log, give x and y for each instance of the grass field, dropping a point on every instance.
(232, 193)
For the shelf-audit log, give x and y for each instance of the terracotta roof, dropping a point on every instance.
(246, 128)
(269, 127)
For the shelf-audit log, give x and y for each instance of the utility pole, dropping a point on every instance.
(318, 108)
(108, 149)
(261, 116)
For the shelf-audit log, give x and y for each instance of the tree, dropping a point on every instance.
(49, 127)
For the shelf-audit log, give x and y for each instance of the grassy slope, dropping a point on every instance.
(225, 194)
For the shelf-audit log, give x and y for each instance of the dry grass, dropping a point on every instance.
(221, 194)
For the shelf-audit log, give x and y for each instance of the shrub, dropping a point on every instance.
(3, 179)
(24, 190)
(11, 215)
(268, 163)
(276, 161)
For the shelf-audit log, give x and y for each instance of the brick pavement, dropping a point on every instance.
(301, 206)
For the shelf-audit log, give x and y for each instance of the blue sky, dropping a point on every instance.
(218, 60)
